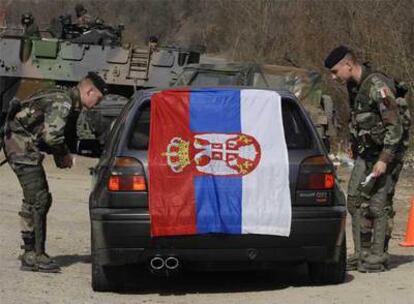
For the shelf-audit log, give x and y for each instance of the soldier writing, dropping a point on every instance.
(42, 120)
(379, 126)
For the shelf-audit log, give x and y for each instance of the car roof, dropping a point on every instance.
(149, 92)
(246, 67)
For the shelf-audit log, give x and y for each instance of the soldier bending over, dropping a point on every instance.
(30, 123)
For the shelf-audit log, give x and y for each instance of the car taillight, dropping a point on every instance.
(127, 174)
(126, 183)
(319, 181)
(316, 173)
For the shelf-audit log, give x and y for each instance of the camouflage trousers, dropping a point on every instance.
(36, 203)
(371, 207)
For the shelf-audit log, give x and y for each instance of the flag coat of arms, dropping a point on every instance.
(218, 163)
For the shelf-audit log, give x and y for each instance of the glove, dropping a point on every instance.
(63, 161)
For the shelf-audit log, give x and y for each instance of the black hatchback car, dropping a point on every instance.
(120, 218)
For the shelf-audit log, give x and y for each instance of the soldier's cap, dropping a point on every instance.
(98, 82)
(336, 55)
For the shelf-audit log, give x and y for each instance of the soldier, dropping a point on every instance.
(153, 43)
(379, 129)
(83, 18)
(30, 27)
(42, 120)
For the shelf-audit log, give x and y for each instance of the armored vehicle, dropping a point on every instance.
(304, 84)
(29, 63)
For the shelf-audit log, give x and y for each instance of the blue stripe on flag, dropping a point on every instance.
(218, 198)
(215, 111)
(218, 204)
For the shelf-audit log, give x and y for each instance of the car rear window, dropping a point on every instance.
(115, 128)
(297, 133)
(139, 137)
(215, 79)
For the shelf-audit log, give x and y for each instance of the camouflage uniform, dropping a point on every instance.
(379, 129)
(30, 27)
(32, 31)
(85, 20)
(40, 121)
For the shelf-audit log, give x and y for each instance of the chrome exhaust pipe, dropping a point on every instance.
(157, 263)
(172, 263)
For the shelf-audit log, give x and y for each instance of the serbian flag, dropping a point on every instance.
(218, 163)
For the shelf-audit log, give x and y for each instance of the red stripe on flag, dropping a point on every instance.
(171, 194)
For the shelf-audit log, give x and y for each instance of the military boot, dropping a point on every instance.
(28, 257)
(352, 261)
(364, 250)
(374, 263)
(43, 262)
(377, 260)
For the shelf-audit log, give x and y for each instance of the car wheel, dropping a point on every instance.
(329, 273)
(103, 277)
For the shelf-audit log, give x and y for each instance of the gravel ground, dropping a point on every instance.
(68, 242)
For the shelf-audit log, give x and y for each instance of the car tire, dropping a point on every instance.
(326, 273)
(103, 277)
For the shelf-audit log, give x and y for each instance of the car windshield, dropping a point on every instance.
(296, 131)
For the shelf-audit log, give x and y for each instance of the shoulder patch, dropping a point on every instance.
(61, 105)
(384, 92)
(66, 106)
(380, 91)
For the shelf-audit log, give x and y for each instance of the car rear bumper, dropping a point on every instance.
(122, 236)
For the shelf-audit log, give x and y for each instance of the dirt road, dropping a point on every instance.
(68, 241)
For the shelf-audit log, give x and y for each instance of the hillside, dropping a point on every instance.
(296, 33)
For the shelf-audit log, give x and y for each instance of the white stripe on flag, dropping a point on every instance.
(266, 203)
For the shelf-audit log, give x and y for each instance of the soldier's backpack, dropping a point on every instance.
(403, 107)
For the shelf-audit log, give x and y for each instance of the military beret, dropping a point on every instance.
(153, 39)
(336, 55)
(98, 82)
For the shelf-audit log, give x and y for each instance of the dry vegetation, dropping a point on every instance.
(295, 32)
